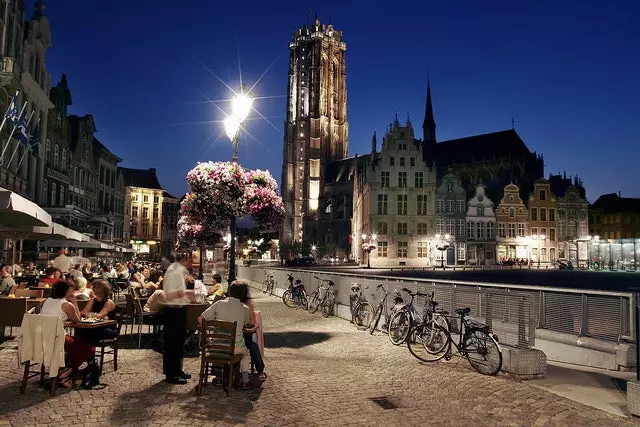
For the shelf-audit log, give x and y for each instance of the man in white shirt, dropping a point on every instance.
(175, 320)
(62, 262)
(232, 310)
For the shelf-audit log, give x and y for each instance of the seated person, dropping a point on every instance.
(30, 269)
(217, 290)
(62, 304)
(87, 272)
(232, 310)
(101, 306)
(123, 271)
(156, 301)
(76, 272)
(80, 290)
(52, 274)
(252, 346)
(7, 284)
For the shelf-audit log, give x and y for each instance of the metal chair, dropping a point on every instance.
(141, 316)
(218, 343)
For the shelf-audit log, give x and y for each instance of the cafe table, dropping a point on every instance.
(46, 292)
(90, 325)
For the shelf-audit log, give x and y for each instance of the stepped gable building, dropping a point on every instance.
(394, 193)
(317, 175)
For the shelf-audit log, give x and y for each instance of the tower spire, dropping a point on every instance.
(429, 124)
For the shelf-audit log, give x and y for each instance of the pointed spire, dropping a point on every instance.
(429, 124)
(374, 143)
(396, 122)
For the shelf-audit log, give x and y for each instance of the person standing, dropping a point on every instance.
(175, 320)
(62, 262)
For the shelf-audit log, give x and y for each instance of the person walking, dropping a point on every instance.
(175, 320)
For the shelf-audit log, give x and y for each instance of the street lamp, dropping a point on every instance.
(368, 246)
(240, 108)
(442, 245)
(539, 237)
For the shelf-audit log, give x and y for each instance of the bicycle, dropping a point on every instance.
(361, 310)
(405, 317)
(475, 339)
(382, 307)
(430, 331)
(326, 302)
(269, 283)
(295, 294)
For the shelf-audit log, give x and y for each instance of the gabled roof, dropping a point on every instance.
(101, 148)
(341, 170)
(143, 178)
(166, 194)
(479, 147)
(613, 203)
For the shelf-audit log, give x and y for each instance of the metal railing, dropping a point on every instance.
(513, 311)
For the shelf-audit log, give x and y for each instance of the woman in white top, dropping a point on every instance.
(62, 304)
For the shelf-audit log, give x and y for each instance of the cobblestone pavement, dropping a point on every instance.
(321, 372)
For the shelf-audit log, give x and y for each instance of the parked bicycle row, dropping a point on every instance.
(431, 334)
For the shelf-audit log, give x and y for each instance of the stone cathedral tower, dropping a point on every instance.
(316, 128)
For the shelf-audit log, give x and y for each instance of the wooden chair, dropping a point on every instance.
(12, 311)
(23, 285)
(114, 343)
(28, 373)
(28, 293)
(193, 312)
(218, 343)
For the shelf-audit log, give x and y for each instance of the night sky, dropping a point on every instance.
(568, 72)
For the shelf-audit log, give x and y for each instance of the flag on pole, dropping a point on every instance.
(12, 112)
(23, 132)
(34, 141)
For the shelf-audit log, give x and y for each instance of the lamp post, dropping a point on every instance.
(539, 238)
(368, 246)
(240, 109)
(442, 246)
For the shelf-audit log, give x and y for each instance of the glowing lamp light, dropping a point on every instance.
(313, 248)
(241, 106)
(364, 236)
(446, 236)
(231, 126)
(374, 236)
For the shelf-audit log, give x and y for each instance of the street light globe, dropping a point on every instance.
(241, 106)
(437, 235)
(231, 126)
(313, 248)
(374, 236)
(364, 236)
(446, 236)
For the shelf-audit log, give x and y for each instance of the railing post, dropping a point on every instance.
(522, 327)
(488, 309)
(584, 326)
(542, 318)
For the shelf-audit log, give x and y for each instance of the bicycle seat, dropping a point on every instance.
(330, 282)
(271, 276)
(406, 290)
(461, 311)
(434, 304)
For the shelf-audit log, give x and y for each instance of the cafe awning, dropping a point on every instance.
(87, 243)
(17, 211)
(55, 231)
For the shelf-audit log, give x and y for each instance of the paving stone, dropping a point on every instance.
(322, 372)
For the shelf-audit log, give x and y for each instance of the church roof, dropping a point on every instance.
(480, 147)
(613, 203)
(143, 178)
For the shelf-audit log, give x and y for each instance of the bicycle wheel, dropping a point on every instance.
(429, 342)
(482, 352)
(289, 299)
(363, 316)
(304, 301)
(375, 319)
(399, 326)
(272, 285)
(314, 301)
(327, 305)
(265, 286)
